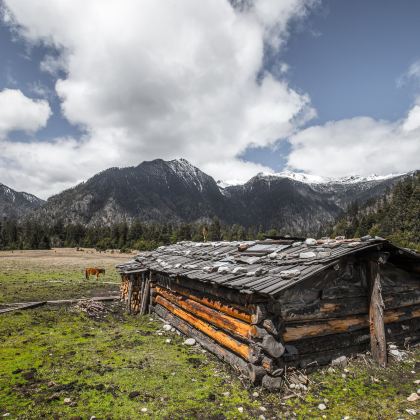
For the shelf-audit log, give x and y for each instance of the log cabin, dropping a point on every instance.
(264, 306)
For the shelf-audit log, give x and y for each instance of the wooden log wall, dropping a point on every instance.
(245, 335)
(340, 311)
(309, 325)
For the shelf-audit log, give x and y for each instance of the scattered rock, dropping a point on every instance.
(51, 384)
(53, 397)
(398, 355)
(172, 329)
(255, 394)
(417, 382)
(322, 406)
(340, 361)
(413, 397)
(226, 394)
(166, 327)
(262, 408)
(144, 410)
(133, 394)
(168, 341)
(392, 346)
(67, 401)
(310, 241)
(411, 411)
(241, 409)
(6, 414)
(189, 342)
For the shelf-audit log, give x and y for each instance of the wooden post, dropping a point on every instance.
(145, 297)
(130, 292)
(376, 315)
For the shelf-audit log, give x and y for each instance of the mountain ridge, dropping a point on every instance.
(177, 191)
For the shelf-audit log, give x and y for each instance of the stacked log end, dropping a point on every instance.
(248, 336)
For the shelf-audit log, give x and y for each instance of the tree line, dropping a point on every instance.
(137, 235)
(396, 216)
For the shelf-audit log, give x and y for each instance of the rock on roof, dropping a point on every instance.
(263, 267)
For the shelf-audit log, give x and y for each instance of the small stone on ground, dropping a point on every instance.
(189, 341)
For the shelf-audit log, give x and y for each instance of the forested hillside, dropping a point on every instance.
(140, 236)
(396, 216)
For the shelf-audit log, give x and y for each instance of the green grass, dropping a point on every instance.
(49, 355)
(116, 365)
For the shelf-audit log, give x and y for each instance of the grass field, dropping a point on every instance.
(58, 362)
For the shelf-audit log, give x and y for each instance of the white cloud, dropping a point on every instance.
(412, 74)
(359, 145)
(152, 78)
(18, 112)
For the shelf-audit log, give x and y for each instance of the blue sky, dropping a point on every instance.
(326, 87)
(349, 56)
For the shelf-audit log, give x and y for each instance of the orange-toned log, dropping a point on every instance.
(230, 343)
(210, 315)
(231, 309)
(333, 326)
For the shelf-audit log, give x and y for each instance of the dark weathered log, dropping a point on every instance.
(400, 300)
(376, 316)
(343, 291)
(274, 307)
(221, 352)
(322, 358)
(242, 313)
(212, 316)
(145, 298)
(255, 354)
(258, 332)
(256, 373)
(224, 339)
(272, 383)
(273, 367)
(272, 346)
(32, 305)
(329, 342)
(297, 331)
(22, 307)
(130, 293)
(274, 328)
(321, 309)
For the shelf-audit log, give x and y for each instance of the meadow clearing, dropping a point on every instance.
(60, 362)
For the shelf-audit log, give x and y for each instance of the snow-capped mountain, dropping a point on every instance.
(176, 191)
(316, 179)
(17, 204)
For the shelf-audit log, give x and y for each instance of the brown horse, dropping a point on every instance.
(93, 271)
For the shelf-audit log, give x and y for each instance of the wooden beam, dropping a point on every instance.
(376, 315)
(234, 310)
(145, 297)
(224, 339)
(297, 331)
(210, 315)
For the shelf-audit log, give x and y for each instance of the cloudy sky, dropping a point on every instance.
(237, 87)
